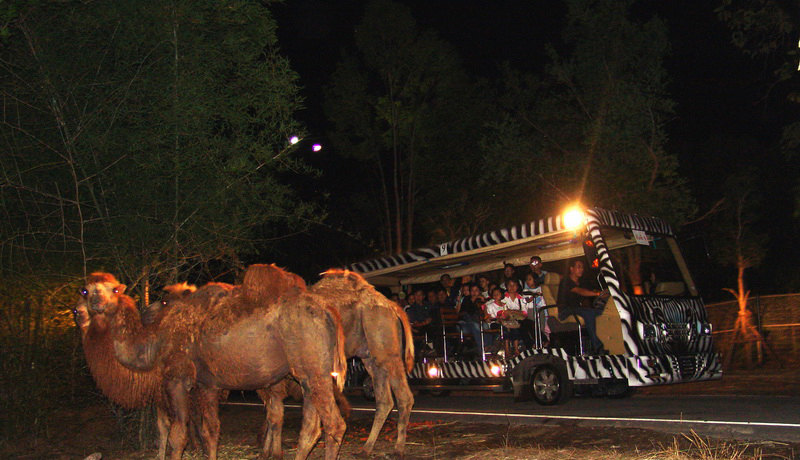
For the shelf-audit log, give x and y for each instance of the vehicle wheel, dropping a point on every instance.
(550, 386)
(620, 391)
(367, 390)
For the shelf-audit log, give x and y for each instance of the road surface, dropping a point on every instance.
(775, 418)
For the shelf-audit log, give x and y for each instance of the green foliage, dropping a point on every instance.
(737, 240)
(767, 30)
(401, 102)
(41, 363)
(592, 128)
(142, 136)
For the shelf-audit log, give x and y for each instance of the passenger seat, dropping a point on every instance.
(550, 292)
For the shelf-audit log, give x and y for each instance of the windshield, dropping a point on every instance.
(647, 264)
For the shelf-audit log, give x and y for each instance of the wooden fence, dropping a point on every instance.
(777, 317)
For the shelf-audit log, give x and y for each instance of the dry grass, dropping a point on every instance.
(430, 439)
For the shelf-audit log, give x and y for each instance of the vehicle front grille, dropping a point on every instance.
(687, 366)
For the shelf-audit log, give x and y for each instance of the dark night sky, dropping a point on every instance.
(718, 124)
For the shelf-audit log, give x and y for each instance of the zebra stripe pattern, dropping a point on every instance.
(678, 353)
(458, 369)
(681, 354)
(534, 228)
(538, 227)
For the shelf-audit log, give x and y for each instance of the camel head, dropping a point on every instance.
(172, 294)
(102, 293)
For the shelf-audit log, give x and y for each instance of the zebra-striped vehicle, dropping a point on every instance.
(656, 334)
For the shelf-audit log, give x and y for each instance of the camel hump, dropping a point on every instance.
(268, 282)
(342, 279)
(180, 289)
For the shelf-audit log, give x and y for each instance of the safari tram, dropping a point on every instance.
(653, 326)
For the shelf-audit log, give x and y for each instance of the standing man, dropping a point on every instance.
(536, 269)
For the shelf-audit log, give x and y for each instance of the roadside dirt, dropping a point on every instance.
(76, 434)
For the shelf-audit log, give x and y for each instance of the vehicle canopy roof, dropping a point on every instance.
(547, 237)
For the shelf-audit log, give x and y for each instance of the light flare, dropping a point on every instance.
(574, 217)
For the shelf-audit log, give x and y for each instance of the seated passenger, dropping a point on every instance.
(578, 300)
(509, 273)
(447, 283)
(483, 284)
(516, 308)
(419, 315)
(533, 295)
(442, 299)
(491, 309)
(469, 314)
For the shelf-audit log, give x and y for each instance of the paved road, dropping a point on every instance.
(740, 417)
(748, 417)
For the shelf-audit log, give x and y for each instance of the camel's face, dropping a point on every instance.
(102, 298)
(81, 314)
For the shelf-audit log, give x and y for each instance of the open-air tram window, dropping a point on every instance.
(646, 263)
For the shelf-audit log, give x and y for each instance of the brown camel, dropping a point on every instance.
(131, 389)
(272, 397)
(231, 339)
(372, 326)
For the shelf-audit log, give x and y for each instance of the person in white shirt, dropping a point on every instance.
(533, 294)
(513, 301)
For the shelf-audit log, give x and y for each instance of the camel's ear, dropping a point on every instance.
(121, 288)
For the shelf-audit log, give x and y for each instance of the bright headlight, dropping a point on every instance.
(573, 218)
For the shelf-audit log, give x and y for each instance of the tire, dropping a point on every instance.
(550, 385)
(367, 390)
(620, 391)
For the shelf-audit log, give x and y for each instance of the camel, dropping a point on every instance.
(228, 339)
(131, 389)
(372, 332)
(272, 396)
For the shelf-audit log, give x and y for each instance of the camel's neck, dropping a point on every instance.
(124, 386)
(135, 346)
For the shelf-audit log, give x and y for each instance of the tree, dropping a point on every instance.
(767, 32)
(739, 244)
(144, 136)
(592, 129)
(394, 103)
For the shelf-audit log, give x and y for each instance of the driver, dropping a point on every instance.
(574, 299)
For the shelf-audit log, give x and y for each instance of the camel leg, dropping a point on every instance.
(208, 400)
(332, 422)
(272, 429)
(162, 422)
(178, 394)
(320, 404)
(383, 401)
(310, 430)
(405, 401)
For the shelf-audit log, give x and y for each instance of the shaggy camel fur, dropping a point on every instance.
(130, 388)
(218, 339)
(372, 325)
(272, 397)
